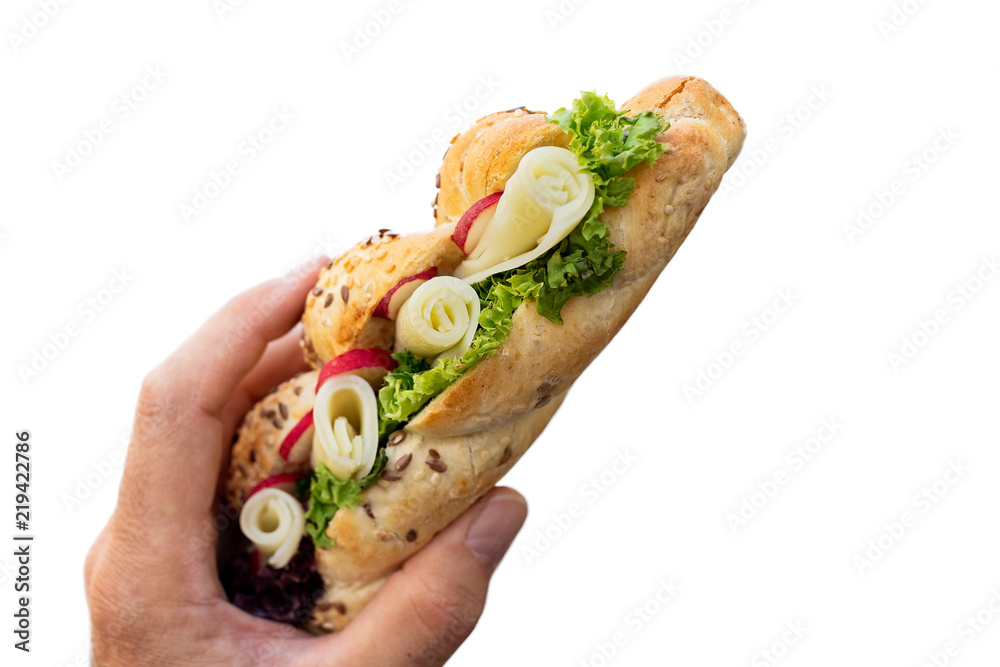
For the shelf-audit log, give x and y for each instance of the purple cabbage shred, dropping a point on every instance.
(286, 595)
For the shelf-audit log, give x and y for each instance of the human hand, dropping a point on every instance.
(151, 577)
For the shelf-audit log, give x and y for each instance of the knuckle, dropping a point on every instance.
(448, 608)
(93, 559)
(153, 407)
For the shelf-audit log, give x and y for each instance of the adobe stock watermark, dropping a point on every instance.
(32, 24)
(454, 119)
(86, 312)
(223, 8)
(268, 650)
(899, 15)
(921, 504)
(967, 631)
(751, 331)
(785, 129)
(560, 12)
(122, 107)
(633, 623)
(795, 461)
(8, 569)
(711, 30)
(82, 659)
(114, 628)
(241, 330)
(957, 298)
(774, 653)
(559, 523)
(365, 34)
(99, 472)
(218, 180)
(326, 247)
(912, 170)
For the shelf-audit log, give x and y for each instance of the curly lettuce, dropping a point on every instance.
(328, 493)
(607, 143)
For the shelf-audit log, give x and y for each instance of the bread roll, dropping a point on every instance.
(464, 440)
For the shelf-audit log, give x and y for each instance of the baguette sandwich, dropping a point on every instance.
(439, 357)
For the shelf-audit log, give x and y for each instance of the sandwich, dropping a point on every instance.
(438, 358)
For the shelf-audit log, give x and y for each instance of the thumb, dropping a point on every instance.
(429, 607)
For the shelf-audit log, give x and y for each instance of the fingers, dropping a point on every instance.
(178, 438)
(94, 555)
(429, 607)
(282, 360)
(209, 365)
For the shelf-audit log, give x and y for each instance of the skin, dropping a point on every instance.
(151, 577)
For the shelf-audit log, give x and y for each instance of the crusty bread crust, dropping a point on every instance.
(397, 518)
(339, 313)
(464, 440)
(541, 359)
(255, 453)
(482, 159)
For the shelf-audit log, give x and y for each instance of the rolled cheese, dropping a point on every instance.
(439, 320)
(273, 520)
(345, 417)
(542, 202)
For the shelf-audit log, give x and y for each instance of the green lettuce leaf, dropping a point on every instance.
(607, 143)
(414, 382)
(328, 493)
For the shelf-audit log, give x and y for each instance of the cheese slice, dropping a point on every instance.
(273, 521)
(543, 201)
(345, 417)
(439, 320)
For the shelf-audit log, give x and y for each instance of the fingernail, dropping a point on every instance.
(492, 532)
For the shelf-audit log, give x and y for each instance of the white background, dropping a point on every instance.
(868, 100)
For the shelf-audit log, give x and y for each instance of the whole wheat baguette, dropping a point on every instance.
(481, 425)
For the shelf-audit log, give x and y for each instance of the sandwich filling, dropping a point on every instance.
(541, 241)
(582, 261)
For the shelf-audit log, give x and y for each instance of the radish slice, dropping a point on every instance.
(473, 222)
(388, 307)
(297, 444)
(371, 365)
(274, 521)
(285, 482)
(346, 419)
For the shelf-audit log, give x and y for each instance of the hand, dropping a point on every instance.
(151, 577)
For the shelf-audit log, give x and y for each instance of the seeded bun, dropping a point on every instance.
(540, 359)
(340, 311)
(482, 159)
(463, 441)
(255, 456)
